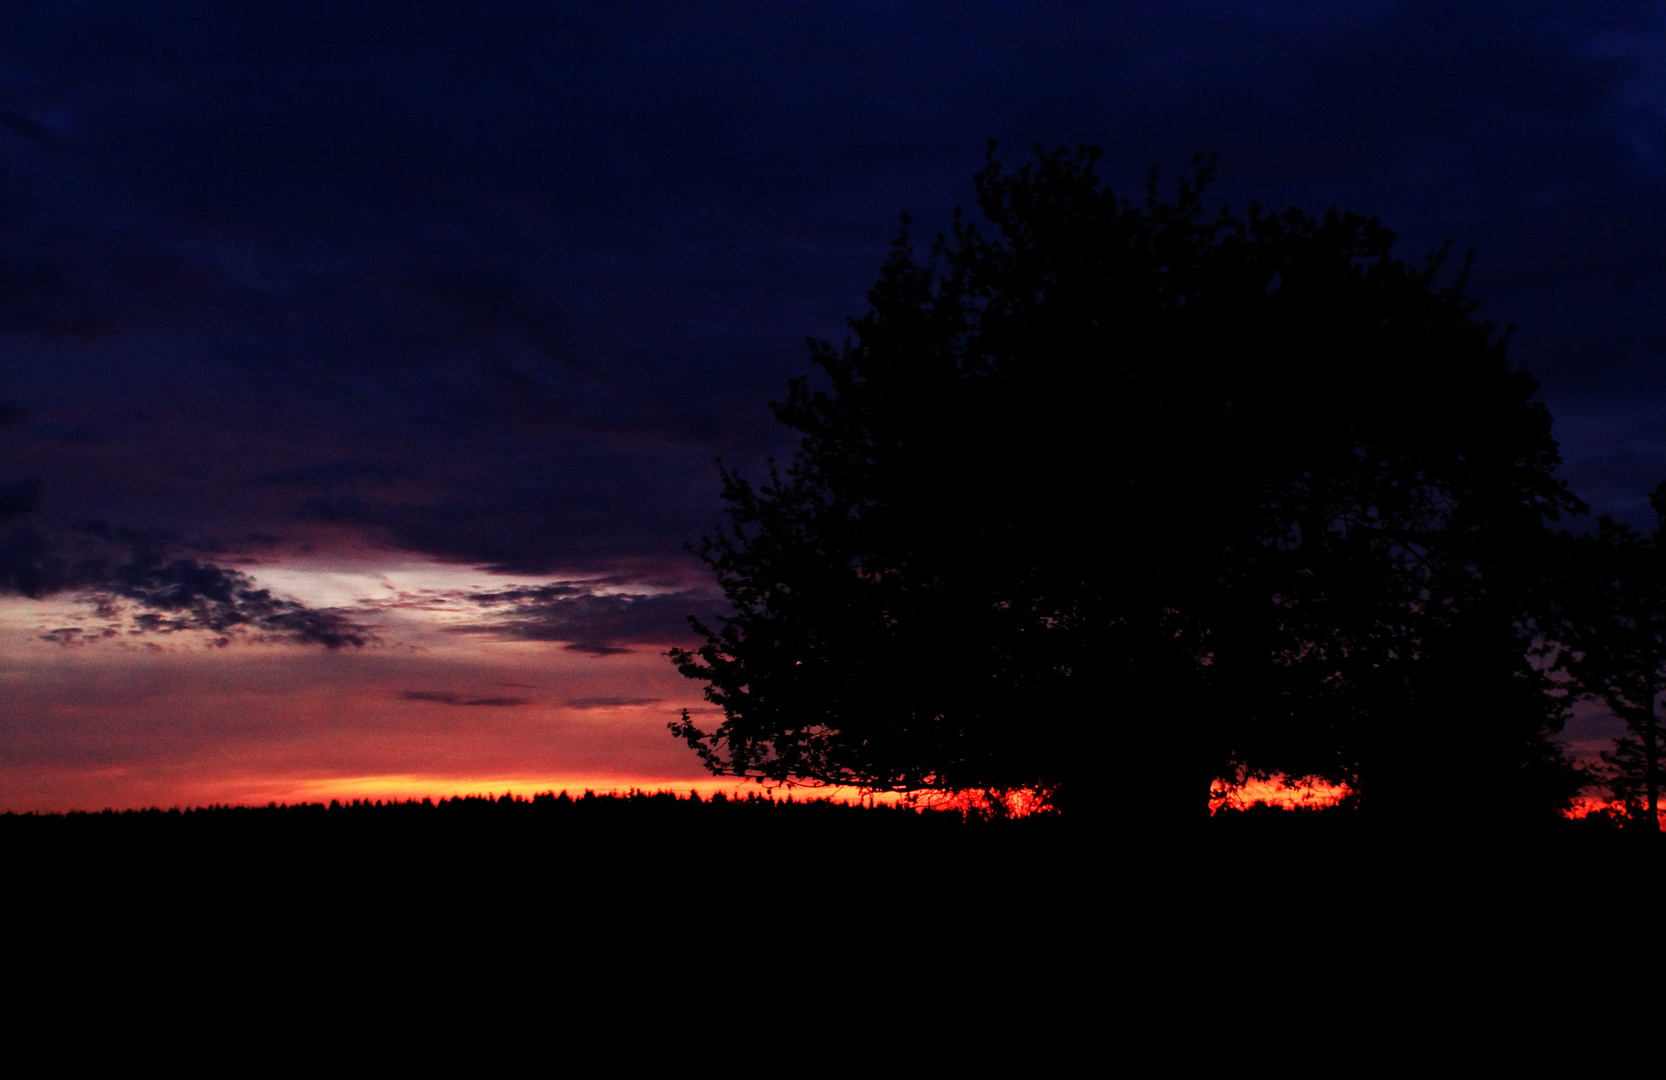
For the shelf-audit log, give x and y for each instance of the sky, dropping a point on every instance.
(364, 365)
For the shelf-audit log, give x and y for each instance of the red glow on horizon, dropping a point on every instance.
(1306, 794)
(1585, 806)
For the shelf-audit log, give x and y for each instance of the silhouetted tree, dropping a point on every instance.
(1122, 498)
(1619, 650)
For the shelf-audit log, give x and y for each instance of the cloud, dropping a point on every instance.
(40, 296)
(596, 648)
(487, 306)
(609, 702)
(584, 618)
(440, 697)
(20, 496)
(598, 616)
(75, 635)
(329, 473)
(141, 584)
(27, 128)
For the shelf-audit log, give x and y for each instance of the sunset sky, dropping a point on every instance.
(365, 363)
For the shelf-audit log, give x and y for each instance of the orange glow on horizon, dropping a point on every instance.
(1307, 794)
(395, 788)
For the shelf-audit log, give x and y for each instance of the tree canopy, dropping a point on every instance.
(1111, 498)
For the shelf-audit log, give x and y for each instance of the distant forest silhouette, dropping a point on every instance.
(640, 834)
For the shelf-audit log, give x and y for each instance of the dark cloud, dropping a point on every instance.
(332, 473)
(20, 496)
(596, 648)
(601, 616)
(19, 124)
(488, 309)
(130, 575)
(76, 635)
(442, 698)
(588, 621)
(38, 296)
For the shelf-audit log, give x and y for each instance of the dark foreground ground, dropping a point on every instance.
(666, 894)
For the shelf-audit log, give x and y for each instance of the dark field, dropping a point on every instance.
(805, 891)
(817, 851)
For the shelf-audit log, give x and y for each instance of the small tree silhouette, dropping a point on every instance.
(1619, 643)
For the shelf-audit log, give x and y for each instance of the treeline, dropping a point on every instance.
(631, 858)
(673, 831)
(629, 805)
(561, 818)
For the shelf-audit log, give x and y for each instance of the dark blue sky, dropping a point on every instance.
(494, 283)
(497, 282)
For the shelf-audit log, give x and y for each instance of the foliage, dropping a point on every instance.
(1618, 640)
(1126, 489)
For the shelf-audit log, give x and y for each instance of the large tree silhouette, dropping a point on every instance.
(1111, 499)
